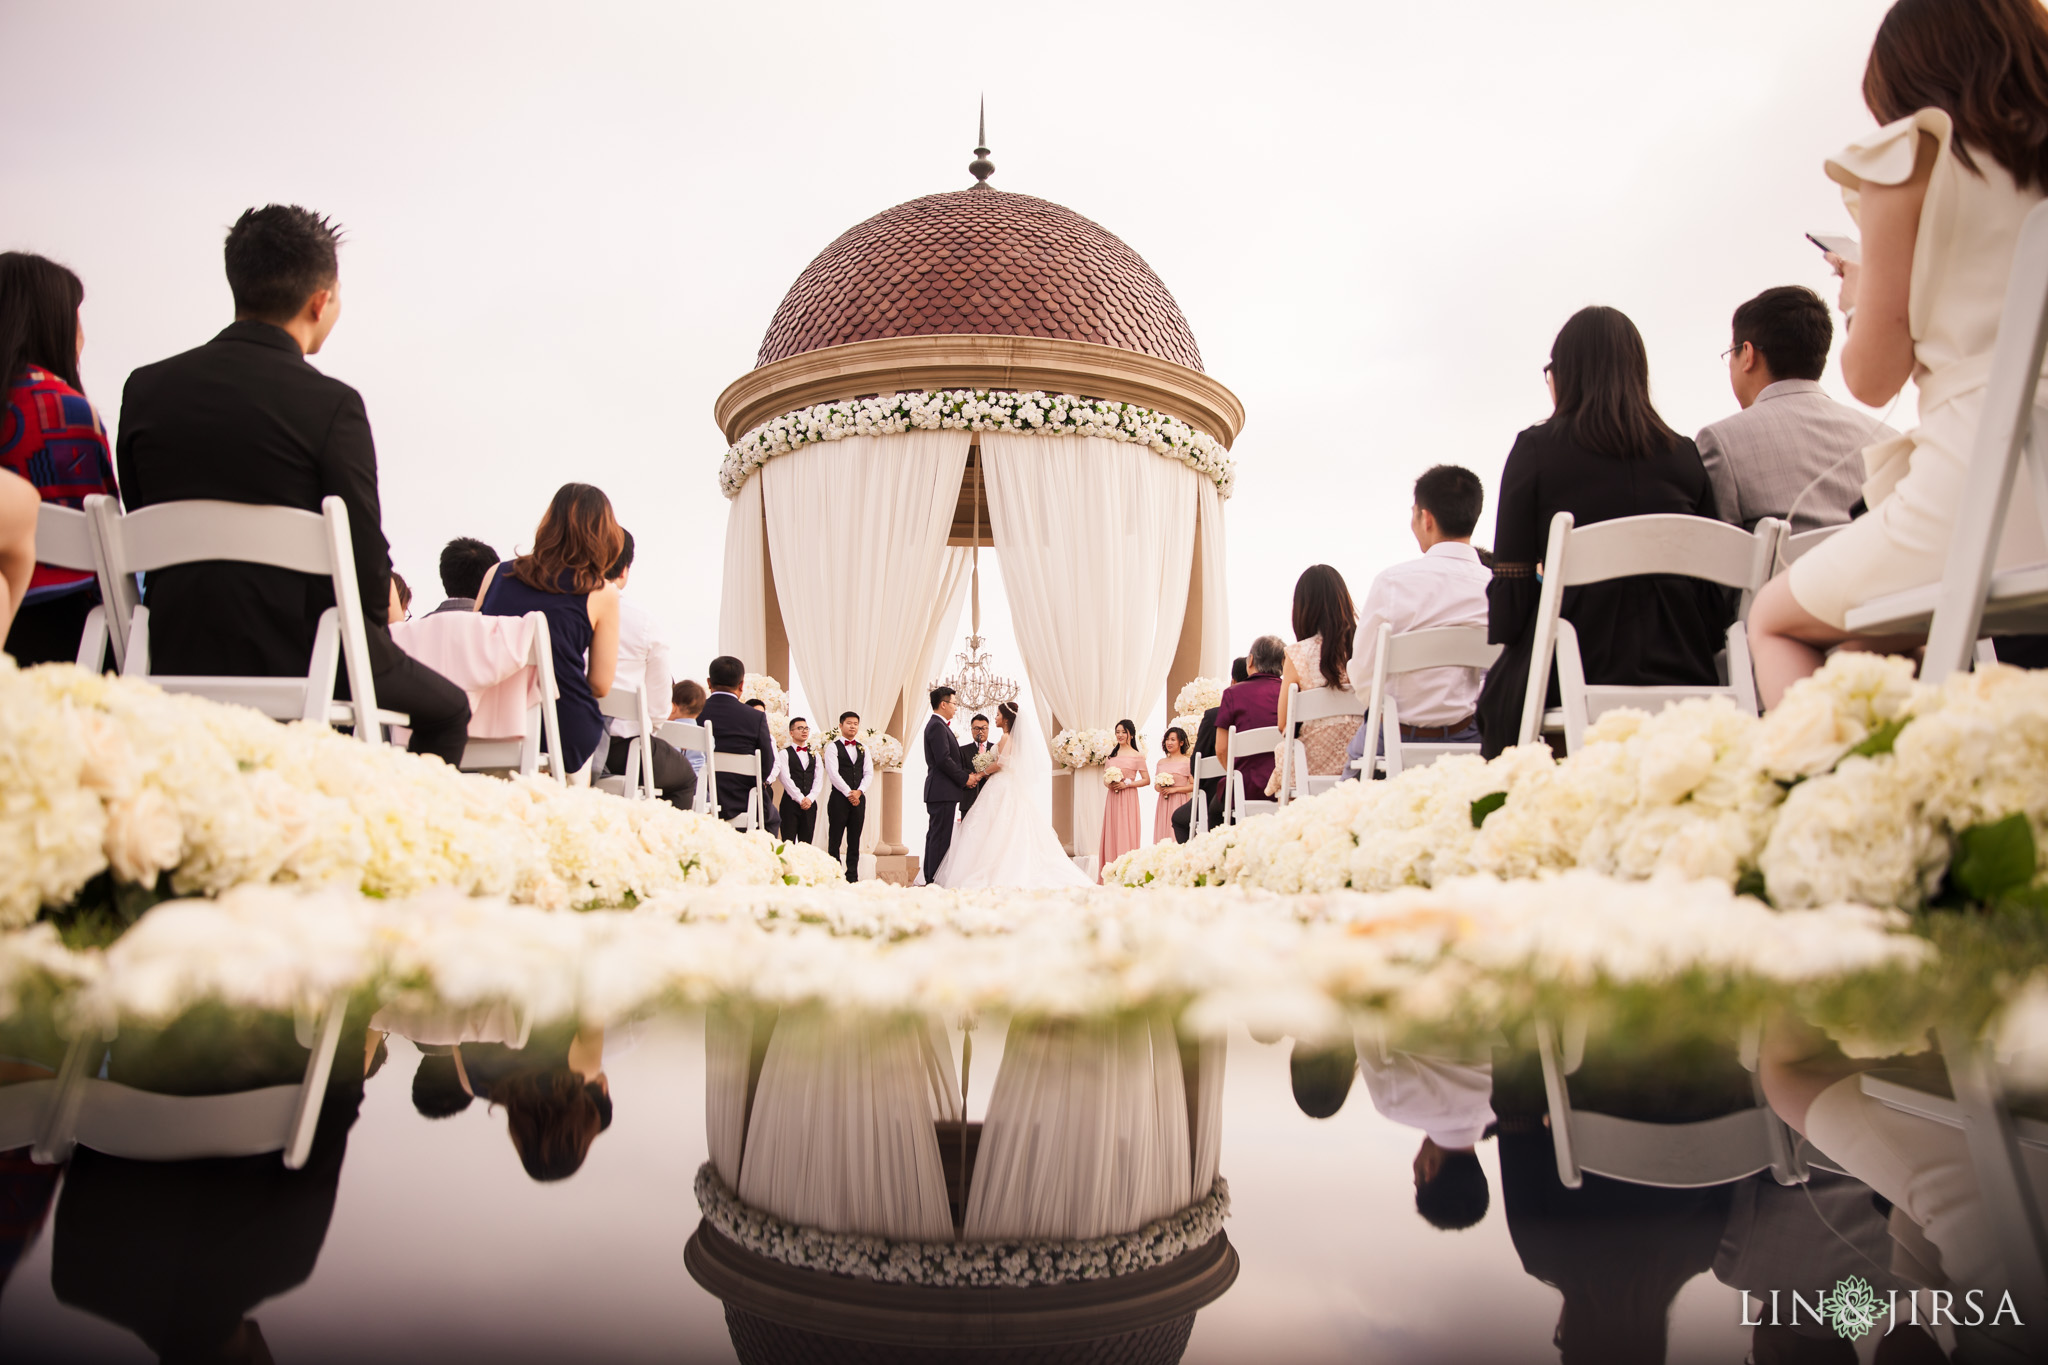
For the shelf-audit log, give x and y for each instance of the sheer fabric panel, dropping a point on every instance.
(940, 635)
(1086, 1135)
(728, 1049)
(1097, 538)
(743, 593)
(1216, 653)
(841, 1133)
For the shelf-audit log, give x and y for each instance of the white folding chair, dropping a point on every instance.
(1411, 652)
(692, 737)
(1302, 707)
(523, 752)
(64, 540)
(1239, 805)
(1713, 1151)
(1794, 547)
(143, 1125)
(747, 765)
(1205, 768)
(174, 533)
(630, 705)
(1662, 543)
(1974, 596)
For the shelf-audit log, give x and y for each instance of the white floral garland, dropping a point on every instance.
(1040, 414)
(953, 1265)
(1083, 748)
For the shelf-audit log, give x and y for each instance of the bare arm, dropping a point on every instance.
(18, 504)
(1288, 677)
(1877, 359)
(604, 639)
(483, 589)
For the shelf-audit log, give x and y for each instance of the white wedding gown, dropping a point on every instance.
(1007, 839)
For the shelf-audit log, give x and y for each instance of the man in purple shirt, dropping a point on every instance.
(1253, 704)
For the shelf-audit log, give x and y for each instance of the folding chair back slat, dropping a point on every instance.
(64, 540)
(1665, 543)
(693, 737)
(1237, 802)
(630, 705)
(746, 765)
(1411, 652)
(1318, 703)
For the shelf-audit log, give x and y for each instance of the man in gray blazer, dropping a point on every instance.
(1792, 451)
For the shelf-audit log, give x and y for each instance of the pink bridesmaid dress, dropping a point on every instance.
(1120, 809)
(1169, 802)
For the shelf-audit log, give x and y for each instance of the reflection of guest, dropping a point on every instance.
(1321, 1077)
(554, 1093)
(1452, 1103)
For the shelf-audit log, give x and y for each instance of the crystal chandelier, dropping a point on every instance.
(973, 682)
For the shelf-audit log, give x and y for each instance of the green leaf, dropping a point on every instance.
(1487, 805)
(1995, 858)
(1751, 883)
(1880, 740)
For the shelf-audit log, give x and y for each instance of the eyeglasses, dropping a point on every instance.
(1733, 349)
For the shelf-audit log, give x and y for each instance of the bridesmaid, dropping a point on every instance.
(1175, 765)
(1120, 810)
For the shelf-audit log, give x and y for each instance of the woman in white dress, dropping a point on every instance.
(1007, 839)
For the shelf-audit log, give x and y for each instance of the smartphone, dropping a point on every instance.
(1846, 247)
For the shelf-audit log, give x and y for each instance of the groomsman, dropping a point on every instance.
(799, 780)
(852, 771)
(968, 753)
(946, 782)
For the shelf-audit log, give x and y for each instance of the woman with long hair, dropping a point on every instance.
(564, 578)
(1325, 628)
(1604, 453)
(49, 435)
(1125, 773)
(1940, 192)
(1175, 781)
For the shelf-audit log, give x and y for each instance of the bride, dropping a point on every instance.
(1007, 838)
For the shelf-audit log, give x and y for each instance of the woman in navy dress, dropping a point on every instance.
(565, 577)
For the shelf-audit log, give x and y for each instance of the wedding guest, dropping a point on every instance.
(1445, 587)
(800, 781)
(758, 705)
(1209, 789)
(18, 504)
(1176, 767)
(565, 579)
(1604, 453)
(401, 599)
(50, 436)
(1940, 193)
(1120, 820)
(464, 562)
(970, 751)
(644, 667)
(852, 770)
(739, 729)
(1253, 704)
(245, 418)
(1792, 452)
(686, 700)
(1325, 632)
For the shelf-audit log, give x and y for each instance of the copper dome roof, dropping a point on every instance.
(980, 261)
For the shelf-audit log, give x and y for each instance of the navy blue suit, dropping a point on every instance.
(737, 728)
(945, 785)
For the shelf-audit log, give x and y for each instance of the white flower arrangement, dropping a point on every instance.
(952, 1265)
(763, 688)
(1164, 781)
(1196, 697)
(978, 410)
(1083, 748)
(104, 774)
(886, 750)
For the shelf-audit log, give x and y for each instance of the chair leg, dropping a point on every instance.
(60, 1124)
(313, 1090)
(1560, 1104)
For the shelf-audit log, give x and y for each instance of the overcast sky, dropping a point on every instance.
(569, 226)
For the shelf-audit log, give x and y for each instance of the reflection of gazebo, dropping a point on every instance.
(895, 391)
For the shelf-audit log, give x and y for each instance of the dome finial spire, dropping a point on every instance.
(981, 168)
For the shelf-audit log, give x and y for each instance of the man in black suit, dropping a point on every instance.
(968, 753)
(1209, 790)
(737, 728)
(851, 769)
(945, 781)
(799, 782)
(245, 419)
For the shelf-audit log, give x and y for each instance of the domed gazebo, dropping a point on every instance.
(992, 360)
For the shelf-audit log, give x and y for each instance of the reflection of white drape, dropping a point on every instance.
(1087, 1132)
(1206, 1112)
(1216, 654)
(841, 1134)
(1096, 538)
(743, 600)
(728, 1058)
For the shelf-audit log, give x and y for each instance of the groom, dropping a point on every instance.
(946, 783)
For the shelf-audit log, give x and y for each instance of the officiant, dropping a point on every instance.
(970, 751)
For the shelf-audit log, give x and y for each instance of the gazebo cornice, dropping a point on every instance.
(891, 365)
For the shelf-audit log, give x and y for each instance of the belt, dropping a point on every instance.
(1428, 732)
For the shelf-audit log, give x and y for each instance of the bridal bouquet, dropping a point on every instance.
(885, 750)
(985, 760)
(1083, 748)
(1197, 697)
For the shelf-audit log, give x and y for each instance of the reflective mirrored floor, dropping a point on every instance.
(408, 1238)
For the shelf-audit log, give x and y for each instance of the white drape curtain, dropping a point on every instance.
(1096, 538)
(728, 1057)
(1216, 652)
(939, 639)
(1087, 1132)
(743, 595)
(841, 1136)
(858, 530)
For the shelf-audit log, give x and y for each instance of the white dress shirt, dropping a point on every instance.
(833, 752)
(784, 778)
(1445, 587)
(643, 664)
(1450, 1101)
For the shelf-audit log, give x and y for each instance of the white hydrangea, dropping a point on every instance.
(1854, 834)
